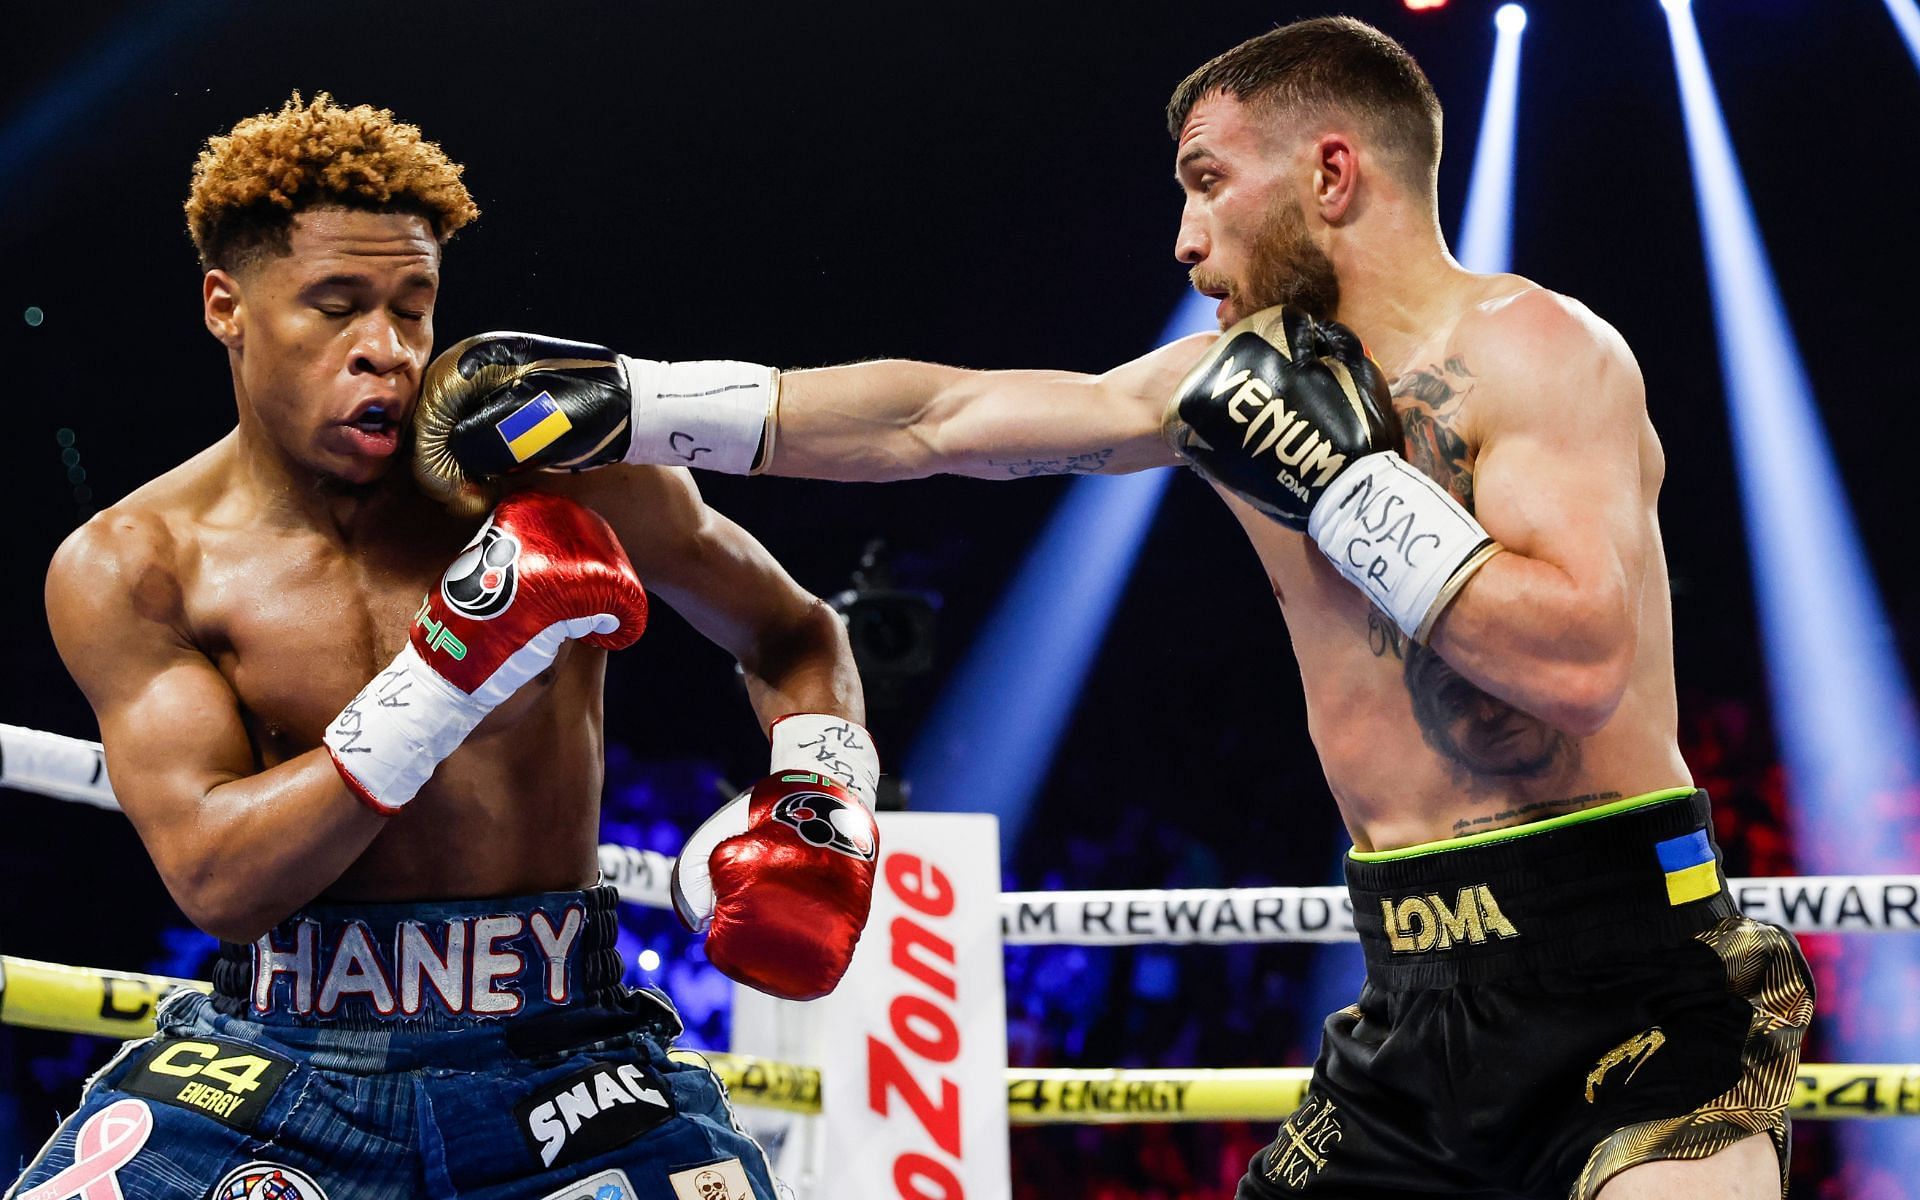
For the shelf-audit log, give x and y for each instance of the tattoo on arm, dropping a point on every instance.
(1078, 464)
(1429, 402)
(1384, 637)
(1538, 810)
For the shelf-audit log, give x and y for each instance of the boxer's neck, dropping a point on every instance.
(279, 492)
(1398, 283)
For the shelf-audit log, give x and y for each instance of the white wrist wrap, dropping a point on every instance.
(830, 746)
(711, 415)
(390, 738)
(1400, 538)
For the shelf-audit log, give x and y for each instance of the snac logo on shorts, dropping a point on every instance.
(1417, 924)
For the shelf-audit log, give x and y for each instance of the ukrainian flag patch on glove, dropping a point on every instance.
(533, 427)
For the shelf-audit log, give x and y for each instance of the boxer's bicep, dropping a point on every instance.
(1550, 626)
(1557, 476)
(169, 721)
(704, 566)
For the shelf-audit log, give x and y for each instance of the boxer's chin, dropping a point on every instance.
(1288, 268)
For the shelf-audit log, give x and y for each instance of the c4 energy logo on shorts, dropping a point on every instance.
(231, 1082)
(593, 1111)
(1306, 1139)
(607, 1185)
(724, 1180)
(1417, 924)
(481, 582)
(266, 1181)
(1636, 1050)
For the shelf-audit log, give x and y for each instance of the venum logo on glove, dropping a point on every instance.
(827, 821)
(481, 582)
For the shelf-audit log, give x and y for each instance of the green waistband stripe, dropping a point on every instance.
(1520, 831)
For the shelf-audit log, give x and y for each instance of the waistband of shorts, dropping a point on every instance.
(629, 1016)
(1562, 892)
(426, 965)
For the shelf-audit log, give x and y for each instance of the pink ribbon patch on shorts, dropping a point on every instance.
(108, 1141)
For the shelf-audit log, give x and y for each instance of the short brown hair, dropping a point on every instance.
(1329, 63)
(248, 184)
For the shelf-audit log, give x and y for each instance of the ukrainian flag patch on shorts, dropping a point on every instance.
(1688, 862)
(533, 426)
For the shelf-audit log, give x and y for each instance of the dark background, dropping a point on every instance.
(987, 185)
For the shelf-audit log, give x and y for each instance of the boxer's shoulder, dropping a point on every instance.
(144, 544)
(1528, 347)
(1525, 324)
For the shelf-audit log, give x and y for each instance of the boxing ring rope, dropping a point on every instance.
(72, 769)
(122, 1004)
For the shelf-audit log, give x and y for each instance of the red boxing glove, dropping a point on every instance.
(782, 879)
(542, 570)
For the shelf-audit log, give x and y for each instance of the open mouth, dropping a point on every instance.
(375, 430)
(376, 418)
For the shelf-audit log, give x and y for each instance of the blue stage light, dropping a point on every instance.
(1843, 711)
(1486, 230)
(989, 741)
(1906, 17)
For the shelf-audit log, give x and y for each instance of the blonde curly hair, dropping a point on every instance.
(248, 184)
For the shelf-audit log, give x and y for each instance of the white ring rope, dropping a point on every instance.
(72, 769)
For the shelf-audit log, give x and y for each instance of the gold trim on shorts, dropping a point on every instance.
(1764, 965)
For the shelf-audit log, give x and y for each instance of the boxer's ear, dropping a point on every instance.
(221, 306)
(1336, 175)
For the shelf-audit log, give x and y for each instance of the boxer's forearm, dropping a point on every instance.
(804, 665)
(254, 849)
(1526, 632)
(891, 420)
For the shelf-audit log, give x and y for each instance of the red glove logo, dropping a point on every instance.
(829, 822)
(481, 582)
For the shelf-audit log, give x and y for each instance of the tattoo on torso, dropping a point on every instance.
(1539, 810)
(1486, 740)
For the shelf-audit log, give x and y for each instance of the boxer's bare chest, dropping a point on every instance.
(297, 621)
(1390, 717)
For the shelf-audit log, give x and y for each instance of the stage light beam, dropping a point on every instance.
(991, 737)
(1486, 229)
(1906, 18)
(1842, 708)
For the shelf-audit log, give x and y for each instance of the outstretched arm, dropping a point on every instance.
(903, 420)
(503, 404)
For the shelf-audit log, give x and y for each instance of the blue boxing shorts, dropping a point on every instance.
(472, 1048)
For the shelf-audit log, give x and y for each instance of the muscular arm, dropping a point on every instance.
(903, 420)
(1550, 626)
(239, 848)
(792, 647)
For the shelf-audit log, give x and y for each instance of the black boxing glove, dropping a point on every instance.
(1291, 415)
(500, 403)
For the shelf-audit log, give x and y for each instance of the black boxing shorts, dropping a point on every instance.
(1546, 1006)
